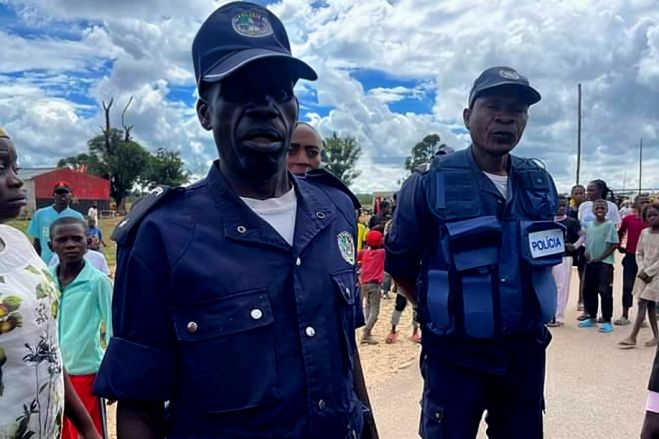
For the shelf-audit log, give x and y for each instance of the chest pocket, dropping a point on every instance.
(227, 352)
(345, 286)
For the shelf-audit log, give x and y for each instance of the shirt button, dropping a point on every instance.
(503, 280)
(192, 327)
(298, 262)
(256, 314)
(320, 215)
(322, 404)
(241, 229)
(310, 331)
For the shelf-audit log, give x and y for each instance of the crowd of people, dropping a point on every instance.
(237, 299)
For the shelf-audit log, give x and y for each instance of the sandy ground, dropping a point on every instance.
(594, 390)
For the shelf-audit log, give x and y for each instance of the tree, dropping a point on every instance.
(114, 156)
(342, 155)
(165, 167)
(423, 152)
(111, 157)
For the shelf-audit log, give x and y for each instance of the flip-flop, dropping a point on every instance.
(650, 343)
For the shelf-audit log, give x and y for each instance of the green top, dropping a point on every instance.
(598, 238)
(85, 304)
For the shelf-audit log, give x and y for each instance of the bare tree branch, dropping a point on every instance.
(123, 122)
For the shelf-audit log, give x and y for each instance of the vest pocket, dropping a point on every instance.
(227, 354)
(477, 303)
(438, 292)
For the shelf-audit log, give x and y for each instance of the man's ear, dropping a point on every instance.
(50, 246)
(466, 114)
(203, 113)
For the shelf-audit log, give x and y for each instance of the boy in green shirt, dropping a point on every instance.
(85, 305)
(601, 242)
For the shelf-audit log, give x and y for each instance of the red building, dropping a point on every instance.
(87, 189)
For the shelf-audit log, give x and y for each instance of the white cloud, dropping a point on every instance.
(612, 48)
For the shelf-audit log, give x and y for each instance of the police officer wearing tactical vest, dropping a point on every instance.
(468, 245)
(235, 297)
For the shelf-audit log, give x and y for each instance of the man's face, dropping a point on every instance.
(12, 196)
(252, 115)
(640, 201)
(62, 197)
(304, 152)
(69, 241)
(497, 120)
(600, 208)
(578, 195)
(562, 205)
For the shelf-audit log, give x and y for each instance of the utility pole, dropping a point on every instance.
(640, 167)
(578, 130)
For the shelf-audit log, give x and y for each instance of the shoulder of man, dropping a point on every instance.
(325, 178)
(126, 229)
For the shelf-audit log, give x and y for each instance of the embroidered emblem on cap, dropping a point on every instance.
(346, 247)
(509, 74)
(252, 24)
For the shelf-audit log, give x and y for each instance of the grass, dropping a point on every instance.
(106, 225)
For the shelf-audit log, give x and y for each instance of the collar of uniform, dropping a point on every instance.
(313, 213)
(241, 223)
(485, 184)
(84, 276)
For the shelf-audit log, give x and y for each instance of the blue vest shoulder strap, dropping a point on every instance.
(453, 192)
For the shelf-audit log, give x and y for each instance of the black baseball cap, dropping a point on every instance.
(503, 76)
(237, 34)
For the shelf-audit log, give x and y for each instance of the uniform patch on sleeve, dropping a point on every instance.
(346, 247)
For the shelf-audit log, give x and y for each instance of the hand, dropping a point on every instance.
(569, 247)
(644, 277)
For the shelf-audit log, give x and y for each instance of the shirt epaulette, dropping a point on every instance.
(122, 232)
(326, 177)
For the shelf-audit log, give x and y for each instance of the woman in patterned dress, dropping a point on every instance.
(33, 385)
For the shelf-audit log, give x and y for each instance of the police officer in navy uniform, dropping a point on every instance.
(235, 297)
(472, 244)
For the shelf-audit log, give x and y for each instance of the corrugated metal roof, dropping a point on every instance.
(30, 173)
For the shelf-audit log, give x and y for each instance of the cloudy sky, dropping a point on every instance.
(390, 73)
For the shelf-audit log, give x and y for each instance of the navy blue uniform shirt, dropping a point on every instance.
(246, 336)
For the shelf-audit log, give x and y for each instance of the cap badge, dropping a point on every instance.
(346, 247)
(509, 74)
(252, 24)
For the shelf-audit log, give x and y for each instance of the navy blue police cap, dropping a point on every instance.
(237, 34)
(503, 76)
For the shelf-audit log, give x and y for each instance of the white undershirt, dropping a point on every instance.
(278, 212)
(500, 182)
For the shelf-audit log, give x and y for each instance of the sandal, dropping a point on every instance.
(555, 324)
(651, 343)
